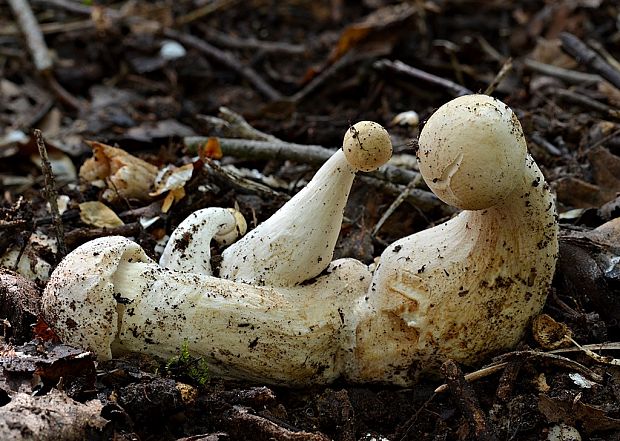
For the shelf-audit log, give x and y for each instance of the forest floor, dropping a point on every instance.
(147, 76)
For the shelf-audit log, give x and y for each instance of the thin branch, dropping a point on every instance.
(397, 202)
(402, 68)
(467, 402)
(585, 101)
(51, 194)
(584, 55)
(32, 33)
(233, 42)
(203, 11)
(506, 68)
(570, 76)
(227, 60)
(285, 151)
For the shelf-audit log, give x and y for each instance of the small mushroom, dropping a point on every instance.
(189, 246)
(467, 288)
(297, 242)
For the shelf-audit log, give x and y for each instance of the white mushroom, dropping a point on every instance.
(189, 246)
(297, 242)
(461, 290)
(467, 288)
(108, 297)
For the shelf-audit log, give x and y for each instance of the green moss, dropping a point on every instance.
(187, 366)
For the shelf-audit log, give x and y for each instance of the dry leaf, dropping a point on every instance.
(211, 149)
(124, 174)
(550, 334)
(99, 215)
(570, 411)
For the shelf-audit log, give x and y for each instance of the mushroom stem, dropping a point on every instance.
(467, 288)
(256, 333)
(189, 246)
(297, 242)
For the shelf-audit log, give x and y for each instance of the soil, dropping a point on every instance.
(146, 76)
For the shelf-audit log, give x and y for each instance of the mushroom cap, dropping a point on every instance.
(367, 146)
(229, 233)
(78, 301)
(472, 152)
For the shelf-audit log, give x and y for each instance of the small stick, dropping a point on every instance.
(400, 67)
(582, 100)
(570, 76)
(507, 380)
(203, 11)
(604, 53)
(584, 55)
(51, 194)
(344, 61)
(394, 205)
(227, 60)
(604, 139)
(549, 147)
(274, 47)
(477, 375)
(32, 33)
(242, 128)
(467, 402)
(305, 154)
(506, 68)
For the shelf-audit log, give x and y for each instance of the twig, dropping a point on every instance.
(51, 194)
(241, 183)
(582, 100)
(400, 67)
(599, 358)
(605, 54)
(506, 68)
(274, 47)
(242, 128)
(227, 60)
(394, 205)
(477, 375)
(70, 6)
(507, 380)
(203, 11)
(554, 359)
(63, 94)
(344, 61)
(612, 346)
(304, 154)
(584, 55)
(604, 139)
(467, 402)
(52, 28)
(550, 148)
(570, 76)
(550, 356)
(32, 33)
(401, 434)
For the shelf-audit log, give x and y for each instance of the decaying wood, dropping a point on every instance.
(467, 402)
(20, 301)
(51, 417)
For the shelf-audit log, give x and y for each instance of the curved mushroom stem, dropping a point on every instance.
(108, 297)
(461, 290)
(189, 246)
(297, 242)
